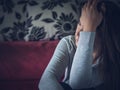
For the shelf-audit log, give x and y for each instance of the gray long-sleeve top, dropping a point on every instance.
(75, 62)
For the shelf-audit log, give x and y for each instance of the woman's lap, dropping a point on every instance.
(67, 87)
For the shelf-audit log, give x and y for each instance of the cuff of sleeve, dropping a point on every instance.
(86, 38)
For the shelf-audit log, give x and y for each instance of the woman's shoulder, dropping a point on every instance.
(69, 37)
(70, 41)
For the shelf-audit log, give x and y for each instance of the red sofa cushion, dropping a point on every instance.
(19, 84)
(25, 60)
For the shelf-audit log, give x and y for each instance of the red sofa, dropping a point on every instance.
(22, 63)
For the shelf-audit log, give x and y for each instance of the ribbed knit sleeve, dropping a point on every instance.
(81, 71)
(56, 68)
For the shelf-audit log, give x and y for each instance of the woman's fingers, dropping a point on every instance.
(84, 7)
(89, 3)
(103, 8)
(94, 3)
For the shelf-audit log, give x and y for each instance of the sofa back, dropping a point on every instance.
(25, 60)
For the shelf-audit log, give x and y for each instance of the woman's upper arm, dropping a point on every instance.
(59, 59)
(56, 67)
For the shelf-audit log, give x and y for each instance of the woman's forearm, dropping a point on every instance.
(82, 63)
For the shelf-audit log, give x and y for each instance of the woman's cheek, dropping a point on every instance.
(76, 40)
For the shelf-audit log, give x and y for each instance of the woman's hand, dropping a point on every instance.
(90, 17)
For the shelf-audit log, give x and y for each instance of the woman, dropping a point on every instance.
(91, 58)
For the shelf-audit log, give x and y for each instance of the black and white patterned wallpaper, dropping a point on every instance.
(34, 20)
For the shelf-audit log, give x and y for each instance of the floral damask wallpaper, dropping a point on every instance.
(34, 20)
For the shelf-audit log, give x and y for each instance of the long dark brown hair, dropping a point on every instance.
(107, 46)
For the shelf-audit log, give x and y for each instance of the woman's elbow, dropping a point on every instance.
(41, 84)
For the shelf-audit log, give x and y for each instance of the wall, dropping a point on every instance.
(34, 20)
